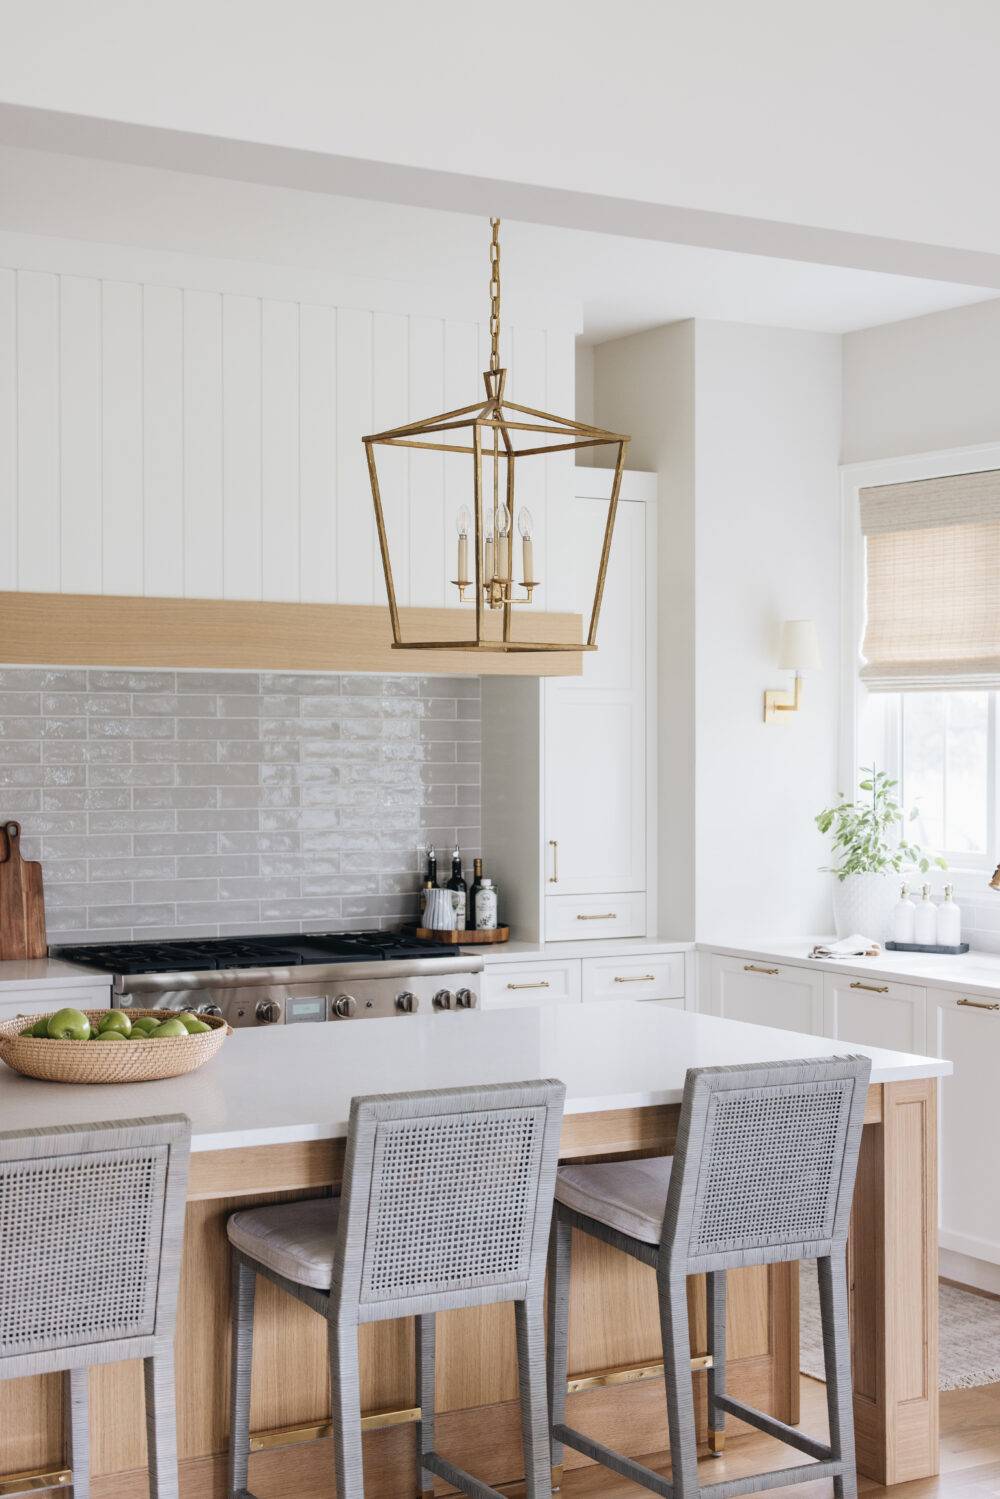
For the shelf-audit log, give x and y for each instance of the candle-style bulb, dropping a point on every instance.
(525, 524)
(463, 520)
(503, 521)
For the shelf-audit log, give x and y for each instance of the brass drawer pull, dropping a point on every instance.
(601, 916)
(554, 876)
(872, 988)
(753, 968)
(635, 978)
(541, 984)
(978, 1004)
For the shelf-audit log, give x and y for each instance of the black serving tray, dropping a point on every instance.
(950, 952)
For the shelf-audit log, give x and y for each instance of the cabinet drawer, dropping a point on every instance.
(761, 992)
(35, 999)
(507, 985)
(575, 918)
(873, 1011)
(658, 977)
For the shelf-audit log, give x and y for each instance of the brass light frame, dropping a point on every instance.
(494, 427)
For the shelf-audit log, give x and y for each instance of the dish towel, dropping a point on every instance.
(854, 946)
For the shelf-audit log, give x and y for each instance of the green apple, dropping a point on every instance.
(144, 1025)
(110, 1035)
(193, 1024)
(39, 1029)
(116, 1020)
(168, 1028)
(69, 1025)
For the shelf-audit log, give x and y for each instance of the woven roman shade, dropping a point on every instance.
(933, 583)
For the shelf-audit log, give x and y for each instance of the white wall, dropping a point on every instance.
(922, 384)
(743, 425)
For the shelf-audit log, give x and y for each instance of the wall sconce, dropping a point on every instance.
(799, 653)
(995, 881)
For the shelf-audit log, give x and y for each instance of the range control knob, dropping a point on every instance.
(442, 999)
(406, 1002)
(210, 1010)
(465, 999)
(267, 1011)
(345, 1005)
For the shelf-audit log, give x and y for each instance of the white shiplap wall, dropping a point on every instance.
(172, 432)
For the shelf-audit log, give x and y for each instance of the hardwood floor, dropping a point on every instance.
(970, 1455)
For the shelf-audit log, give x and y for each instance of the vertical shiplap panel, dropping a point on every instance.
(463, 384)
(163, 441)
(529, 356)
(432, 541)
(8, 429)
(280, 450)
(562, 590)
(390, 408)
(241, 420)
(317, 455)
(203, 444)
(121, 437)
(38, 430)
(80, 434)
(356, 544)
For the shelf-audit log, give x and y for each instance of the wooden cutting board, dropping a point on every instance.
(22, 903)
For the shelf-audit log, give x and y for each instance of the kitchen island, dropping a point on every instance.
(269, 1117)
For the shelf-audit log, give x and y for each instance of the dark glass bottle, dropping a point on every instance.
(477, 880)
(459, 892)
(431, 872)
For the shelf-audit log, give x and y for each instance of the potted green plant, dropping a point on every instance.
(870, 848)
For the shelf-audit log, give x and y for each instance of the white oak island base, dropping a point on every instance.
(614, 1323)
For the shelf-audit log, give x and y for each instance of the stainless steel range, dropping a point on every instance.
(288, 980)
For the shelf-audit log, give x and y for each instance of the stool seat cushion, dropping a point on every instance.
(628, 1196)
(295, 1239)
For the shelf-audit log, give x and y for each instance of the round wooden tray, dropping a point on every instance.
(108, 1062)
(464, 939)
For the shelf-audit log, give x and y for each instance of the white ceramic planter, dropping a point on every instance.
(863, 903)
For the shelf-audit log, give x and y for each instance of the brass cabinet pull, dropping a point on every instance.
(753, 968)
(554, 876)
(541, 984)
(978, 1004)
(635, 978)
(872, 988)
(601, 916)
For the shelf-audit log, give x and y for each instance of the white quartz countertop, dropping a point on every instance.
(549, 952)
(284, 1083)
(976, 972)
(52, 972)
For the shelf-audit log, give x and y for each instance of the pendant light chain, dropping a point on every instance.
(495, 296)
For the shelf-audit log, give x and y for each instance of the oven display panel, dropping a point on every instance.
(298, 1010)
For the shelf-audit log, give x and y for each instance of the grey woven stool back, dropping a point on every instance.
(446, 1202)
(91, 1226)
(763, 1171)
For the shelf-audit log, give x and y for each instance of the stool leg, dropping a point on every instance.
(837, 1363)
(560, 1246)
(424, 1334)
(715, 1285)
(243, 1287)
(161, 1423)
(672, 1290)
(345, 1388)
(78, 1412)
(529, 1317)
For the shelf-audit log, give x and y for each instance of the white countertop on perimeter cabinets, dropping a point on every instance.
(551, 952)
(978, 972)
(52, 972)
(281, 1083)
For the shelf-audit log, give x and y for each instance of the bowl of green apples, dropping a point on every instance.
(110, 1046)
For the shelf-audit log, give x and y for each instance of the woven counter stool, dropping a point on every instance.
(763, 1171)
(446, 1202)
(91, 1224)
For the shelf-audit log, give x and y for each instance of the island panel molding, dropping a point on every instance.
(60, 629)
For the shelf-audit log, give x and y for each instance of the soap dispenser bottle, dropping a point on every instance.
(904, 917)
(949, 921)
(925, 921)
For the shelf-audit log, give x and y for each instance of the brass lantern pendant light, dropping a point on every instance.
(498, 435)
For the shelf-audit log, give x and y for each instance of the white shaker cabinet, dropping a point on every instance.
(763, 993)
(42, 999)
(966, 1030)
(874, 1012)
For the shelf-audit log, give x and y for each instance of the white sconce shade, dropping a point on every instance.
(799, 646)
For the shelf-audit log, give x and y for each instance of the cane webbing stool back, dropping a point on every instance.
(446, 1202)
(763, 1171)
(91, 1229)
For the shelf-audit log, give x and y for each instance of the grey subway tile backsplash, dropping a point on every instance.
(211, 803)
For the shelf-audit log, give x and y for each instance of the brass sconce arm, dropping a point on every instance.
(777, 701)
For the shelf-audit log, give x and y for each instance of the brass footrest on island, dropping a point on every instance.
(33, 1482)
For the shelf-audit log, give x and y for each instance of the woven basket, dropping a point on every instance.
(108, 1061)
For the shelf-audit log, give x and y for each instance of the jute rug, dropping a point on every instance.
(970, 1335)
